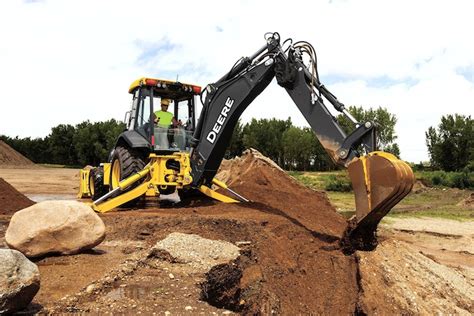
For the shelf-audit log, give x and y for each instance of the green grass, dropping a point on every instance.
(319, 180)
(432, 202)
(452, 213)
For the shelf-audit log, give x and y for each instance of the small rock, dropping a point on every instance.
(188, 308)
(167, 313)
(90, 288)
(171, 276)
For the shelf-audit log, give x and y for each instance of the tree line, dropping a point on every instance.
(450, 145)
(84, 144)
(297, 148)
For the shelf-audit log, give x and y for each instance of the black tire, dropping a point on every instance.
(96, 183)
(130, 162)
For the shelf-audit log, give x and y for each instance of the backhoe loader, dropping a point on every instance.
(149, 161)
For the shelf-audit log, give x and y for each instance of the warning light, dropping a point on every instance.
(196, 89)
(151, 82)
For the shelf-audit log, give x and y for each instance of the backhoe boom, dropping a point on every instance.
(379, 179)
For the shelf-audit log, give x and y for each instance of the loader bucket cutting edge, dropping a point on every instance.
(379, 180)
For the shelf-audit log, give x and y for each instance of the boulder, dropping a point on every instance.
(58, 227)
(19, 281)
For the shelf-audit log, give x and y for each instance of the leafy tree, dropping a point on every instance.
(451, 145)
(61, 145)
(303, 151)
(266, 136)
(385, 124)
(93, 142)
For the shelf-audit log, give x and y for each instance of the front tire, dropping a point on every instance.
(125, 163)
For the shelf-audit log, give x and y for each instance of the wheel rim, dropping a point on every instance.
(115, 174)
(91, 184)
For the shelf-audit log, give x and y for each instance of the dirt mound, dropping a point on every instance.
(419, 187)
(11, 158)
(467, 202)
(258, 178)
(299, 259)
(11, 200)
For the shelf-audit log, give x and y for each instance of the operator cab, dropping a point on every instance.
(147, 95)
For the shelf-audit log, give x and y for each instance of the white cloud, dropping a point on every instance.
(68, 61)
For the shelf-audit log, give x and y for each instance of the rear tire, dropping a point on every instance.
(125, 162)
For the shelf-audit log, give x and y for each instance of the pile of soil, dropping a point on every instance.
(259, 179)
(467, 202)
(11, 158)
(298, 265)
(11, 200)
(419, 187)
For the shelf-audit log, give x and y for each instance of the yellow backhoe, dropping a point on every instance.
(150, 160)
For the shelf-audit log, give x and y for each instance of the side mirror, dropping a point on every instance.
(127, 117)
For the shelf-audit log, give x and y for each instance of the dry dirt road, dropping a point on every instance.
(291, 261)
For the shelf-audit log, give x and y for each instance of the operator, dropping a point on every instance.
(164, 120)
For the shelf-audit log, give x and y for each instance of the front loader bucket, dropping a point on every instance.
(379, 180)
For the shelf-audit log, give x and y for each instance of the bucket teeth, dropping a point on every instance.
(380, 181)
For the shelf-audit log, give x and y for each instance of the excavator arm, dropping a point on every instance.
(379, 179)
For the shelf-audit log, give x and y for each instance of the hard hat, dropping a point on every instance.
(165, 101)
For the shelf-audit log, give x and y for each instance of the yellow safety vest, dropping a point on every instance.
(164, 117)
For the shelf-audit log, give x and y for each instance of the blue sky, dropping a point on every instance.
(67, 61)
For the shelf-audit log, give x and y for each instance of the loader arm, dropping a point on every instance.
(379, 179)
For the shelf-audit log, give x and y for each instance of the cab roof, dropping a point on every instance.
(165, 86)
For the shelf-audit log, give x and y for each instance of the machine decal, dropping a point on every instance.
(211, 137)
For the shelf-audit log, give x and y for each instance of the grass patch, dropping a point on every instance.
(452, 213)
(328, 181)
(435, 202)
(460, 180)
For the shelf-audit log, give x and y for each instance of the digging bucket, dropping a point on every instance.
(379, 180)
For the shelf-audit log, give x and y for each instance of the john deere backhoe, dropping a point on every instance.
(151, 161)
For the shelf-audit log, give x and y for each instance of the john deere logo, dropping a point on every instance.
(211, 137)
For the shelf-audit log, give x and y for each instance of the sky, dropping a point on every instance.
(64, 62)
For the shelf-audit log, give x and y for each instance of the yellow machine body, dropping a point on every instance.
(84, 185)
(150, 182)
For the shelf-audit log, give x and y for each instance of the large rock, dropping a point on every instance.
(19, 281)
(200, 253)
(61, 227)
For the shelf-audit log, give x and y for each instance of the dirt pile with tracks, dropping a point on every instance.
(11, 200)
(259, 179)
(10, 158)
